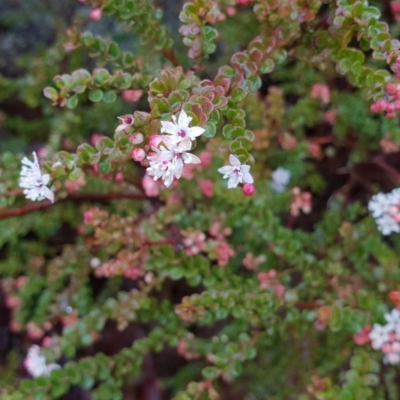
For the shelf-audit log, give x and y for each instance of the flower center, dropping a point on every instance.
(128, 120)
(394, 212)
(182, 133)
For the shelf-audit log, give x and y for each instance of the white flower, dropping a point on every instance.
(126, 122)
(280, 179)
(167, 161)
(385, 208)
(33, 182)
(379, 335)
(35, 363)
(236, 172)
(180, 131)
(393, 321)
(393, 318)
(392, 358)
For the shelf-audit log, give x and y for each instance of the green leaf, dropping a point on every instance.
(87, 382)
(210, 372)
(266, 66)
(50, 93)
(209, 48)
(113, 51)
(72, 102)
(109, 97)
(95, 95)
(210, 129)
(104, 167)
(238, 95)
(227, 131)
(101, 76)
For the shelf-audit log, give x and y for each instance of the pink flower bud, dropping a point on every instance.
(398, 61)
(373, 108)
(381, 104)
(119, 177)
(94, 138)
(206, 187)
(205, 158)
(95, 14)
(279, 290)
(390, 108)
(128, 120)
(271, 274)
(230, 11)
(87, 217)
(248, 189)
(396, 347)
(138, 155)
(155, 140)
(46, 342)
(136, 138)
(131, 96)
(391, 88)
(390, 115)
(395, 7)
(386, 348)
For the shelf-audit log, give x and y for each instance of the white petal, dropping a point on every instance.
(189, 158)
(178, 172)
(226, 170)
(48, 193)
(195, 132)
(169, 127)
(27, 162)
(121, 127)
(247, 178)
(45, 179)
(233, 181)
(183, 120)
(233, 160)
(185, 144)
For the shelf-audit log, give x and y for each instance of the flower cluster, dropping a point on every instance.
(301, 201)
(33, 182)
(390, 105)
(385, 208)
(387, 337)
(169, 151)
(35, 363)
(269, 280)
(168, 159)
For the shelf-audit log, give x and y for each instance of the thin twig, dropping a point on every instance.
(73, 197)
(378, 160)
(170, 55)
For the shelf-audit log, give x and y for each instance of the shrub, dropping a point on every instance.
(194, 212)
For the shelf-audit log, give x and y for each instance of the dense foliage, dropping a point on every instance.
(201, 284)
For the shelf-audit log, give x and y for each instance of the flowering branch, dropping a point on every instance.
(74, 197)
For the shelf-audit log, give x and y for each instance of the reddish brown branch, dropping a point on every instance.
(303, 305)
(170, 55)
(157, 243)
(391, 171)
(73, 197)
